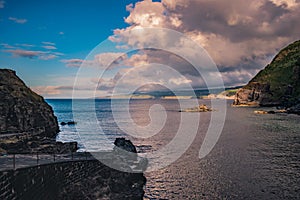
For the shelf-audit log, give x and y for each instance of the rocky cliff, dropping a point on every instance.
(22, 110)
(276, 85)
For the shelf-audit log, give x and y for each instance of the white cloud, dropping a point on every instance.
(49, 43)
(42, 55)
(6, 46)
(103, 60)
(49, 47)
(240, 36)
(100, 61)
(17, 20)
(25, 45)
(75, 62)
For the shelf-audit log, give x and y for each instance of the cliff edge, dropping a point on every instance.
(278, 84)
(22, 110)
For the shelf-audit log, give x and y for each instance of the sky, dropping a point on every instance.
(93, 47)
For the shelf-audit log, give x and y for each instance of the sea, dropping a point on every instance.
(254, 157)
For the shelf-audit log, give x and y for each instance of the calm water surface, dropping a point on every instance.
(256, 157)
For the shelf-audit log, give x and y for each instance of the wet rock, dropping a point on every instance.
(201, 108)
(71, 123)
(126, 145)
(261, 112)
(294, 109)
(68, 123)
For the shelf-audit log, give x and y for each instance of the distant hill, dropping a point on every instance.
(199, 93)
(278, 84)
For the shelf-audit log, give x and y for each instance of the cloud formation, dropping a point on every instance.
(240, 36)
(49, 43)
(42, 55)
(49, 47)
(99, 61)
(17, 20)
(25, 53)
(75, 62)
(32, 51)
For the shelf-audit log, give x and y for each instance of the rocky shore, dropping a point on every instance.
(28, 125)
(278, 85)
(27, 122)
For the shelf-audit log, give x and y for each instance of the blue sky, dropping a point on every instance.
(73, 28)
(47, 41)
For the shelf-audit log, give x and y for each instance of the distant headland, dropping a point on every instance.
(277, 85)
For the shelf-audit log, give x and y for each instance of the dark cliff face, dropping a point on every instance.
(276, 85)
(22, 110)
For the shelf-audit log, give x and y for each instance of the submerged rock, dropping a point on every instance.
(68, 123)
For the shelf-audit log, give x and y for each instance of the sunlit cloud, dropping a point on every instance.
(240, 36)
(6, 46)
(25, 53)
(75, 62)
(101, 61)
(49, 43)
(63, 91)
(17, 20)
(42, 55)
(25, 45)
(49, 47)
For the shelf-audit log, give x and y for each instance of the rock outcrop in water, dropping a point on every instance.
(201, 108)
(22, 110)
(276, 85)
(124, 144)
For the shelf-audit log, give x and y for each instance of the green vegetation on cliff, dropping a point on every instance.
(283, 73)
(276, 85)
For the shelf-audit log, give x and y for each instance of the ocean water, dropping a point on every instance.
(256, 156)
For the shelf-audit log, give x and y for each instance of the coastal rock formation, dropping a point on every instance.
(22, 110)
(27, 122)
(125, 154)
(294, 109)
(276, 85)
(126, 145)
(201, 108)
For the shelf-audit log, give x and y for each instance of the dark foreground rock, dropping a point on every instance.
(276, 85)
(27, 144)
(27, 122)
(124, 144)
(126, 157)
(294, 109)
(22, 110)
(71, 180)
